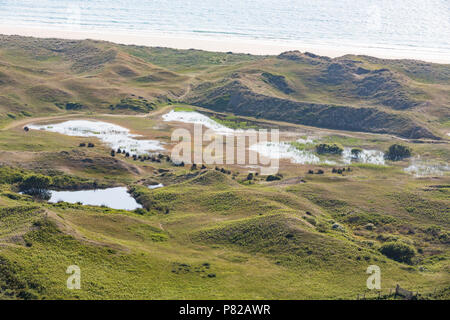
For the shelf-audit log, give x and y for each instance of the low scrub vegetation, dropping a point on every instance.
(398, 152)
(398, 251)
(325, 148)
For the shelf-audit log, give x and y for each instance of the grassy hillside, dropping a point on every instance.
(213, 232)
(219, 231)
(401, 97)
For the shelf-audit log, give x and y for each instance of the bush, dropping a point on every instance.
(398, 251)
(36, 185)
(398, 152)
(74, 106)
(356, 152)
(35, 181)
(273, 178)
(138, 105)
(325, 148)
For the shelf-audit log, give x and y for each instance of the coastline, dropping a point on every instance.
(225, 44)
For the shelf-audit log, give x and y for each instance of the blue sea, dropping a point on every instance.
(409, 24)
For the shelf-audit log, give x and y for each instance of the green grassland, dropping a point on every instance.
(210, 234)
(221, 237)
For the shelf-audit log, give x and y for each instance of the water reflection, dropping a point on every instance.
(115, 198)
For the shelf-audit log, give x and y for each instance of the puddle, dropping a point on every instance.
(193, 117)
(115, 198)
(307, 140)
(424, 168)
(365, 156)
(284, 150)
(156, 186)
(111, 134)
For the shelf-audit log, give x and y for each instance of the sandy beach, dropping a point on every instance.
(226, 44)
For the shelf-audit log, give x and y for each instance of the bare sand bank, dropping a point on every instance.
(236, 45)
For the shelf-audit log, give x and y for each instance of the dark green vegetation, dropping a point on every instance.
(398, 251)
(325, 148)
(398, 152)
(138, 105)
(218, 232)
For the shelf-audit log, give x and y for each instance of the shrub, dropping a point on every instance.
(35, 181)
(74, 106)
(325, 148)
(356, 152)
(398, 152)
(273, 178)
(398, 251)
(36, 185)
(138, 105)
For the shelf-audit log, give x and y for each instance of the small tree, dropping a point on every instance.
(36, 185)
(356, 152)
(272, 178)
(325, 148)
(398, 152)
(35, 181)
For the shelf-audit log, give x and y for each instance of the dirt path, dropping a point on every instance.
(23, 122)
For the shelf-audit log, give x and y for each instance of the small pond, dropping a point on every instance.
(113, 135)
(115, 198)
(156, 186)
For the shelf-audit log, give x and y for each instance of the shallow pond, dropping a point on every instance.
(156, 186)
(115, 198)
(284, 150)
(113, 135)
(193, 117)
(365, 156)
(424, 168)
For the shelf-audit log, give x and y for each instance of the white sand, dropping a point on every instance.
(258, 47)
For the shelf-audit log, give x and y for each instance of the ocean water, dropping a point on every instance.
(406, 24)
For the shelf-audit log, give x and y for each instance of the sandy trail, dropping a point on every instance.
(23, 122)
